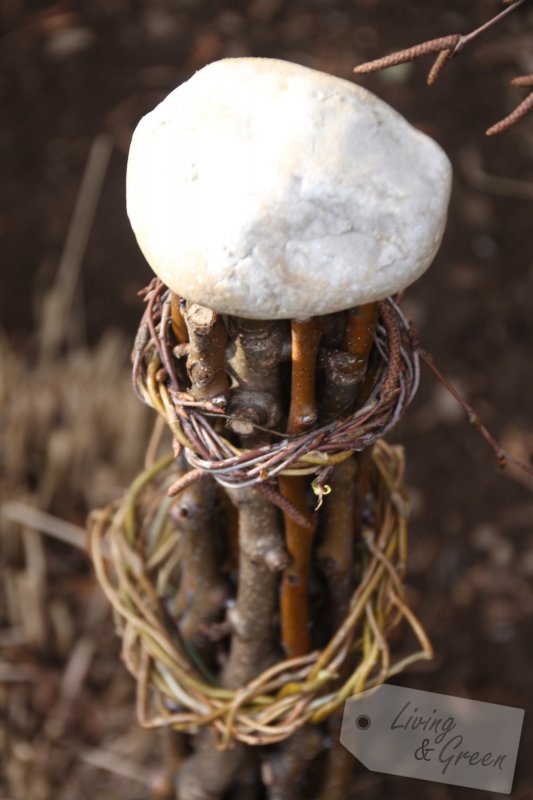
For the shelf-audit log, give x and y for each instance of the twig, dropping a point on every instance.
(205, 364)
(502, 456)
(305, 340)
(447, 47)
(442, 43)
(262, 555)
(343, 371)
(450, 45)
(496, 184)
(209, 772)
(203, 592)
(294, 601)
(253, 358)
(285, 770)
(254, 366)
(179, 327)
(339, 767)
(335, 554)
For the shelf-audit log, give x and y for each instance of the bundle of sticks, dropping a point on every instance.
(257, 569)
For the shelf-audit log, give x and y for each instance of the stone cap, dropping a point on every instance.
(268, 190)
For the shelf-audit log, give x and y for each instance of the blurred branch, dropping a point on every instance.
(59, 300)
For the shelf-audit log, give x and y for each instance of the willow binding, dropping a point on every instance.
(136, 549)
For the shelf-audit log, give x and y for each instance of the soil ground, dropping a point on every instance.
(70, 71)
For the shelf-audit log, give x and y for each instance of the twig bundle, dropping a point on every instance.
(174, 688)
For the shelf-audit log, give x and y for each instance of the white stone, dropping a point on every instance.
(269, 190)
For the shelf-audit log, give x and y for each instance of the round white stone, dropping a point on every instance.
(268, 190)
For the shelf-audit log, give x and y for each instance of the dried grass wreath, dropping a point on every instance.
(134, 549)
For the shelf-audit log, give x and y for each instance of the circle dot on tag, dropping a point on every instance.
(363, 722)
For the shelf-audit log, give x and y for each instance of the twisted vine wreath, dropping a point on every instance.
(136, 551)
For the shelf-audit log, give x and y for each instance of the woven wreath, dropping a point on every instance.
(135, 549)
(158, 383)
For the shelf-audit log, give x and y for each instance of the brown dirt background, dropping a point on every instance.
(72, 436)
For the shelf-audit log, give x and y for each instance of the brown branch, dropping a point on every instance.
(335, 554)
(343, 371)
(305, 340)
(285, 770)
(262, 555)
(253, 357)
(179, 327)
(203, 591)
(502, 456)
(294, 601)
(342, 512)
(339, 766)
(253, 362)
(209, 772)
(206, 361)
(248, 781)
(288, 508)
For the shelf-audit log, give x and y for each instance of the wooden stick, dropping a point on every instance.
(343, 371)
(339, 766)
(253, 357)
(206, 361)
(343, 506)
(209, 772)
(359, 334)
(305, 340)
(207, 775)
(178, 323)
(285, 770)
(262, 555)
(294, 601)
(335, 555)
(203, 591)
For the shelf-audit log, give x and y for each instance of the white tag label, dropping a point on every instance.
(433, 737)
